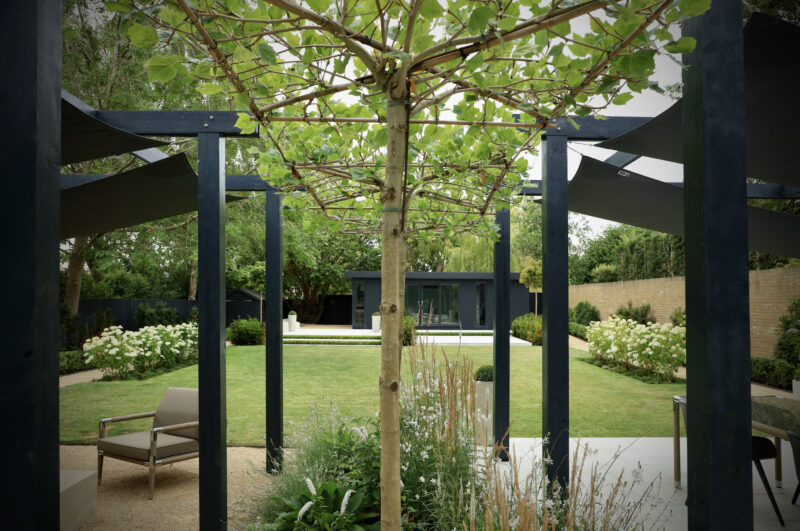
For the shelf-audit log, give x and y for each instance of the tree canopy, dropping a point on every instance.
(407, 116)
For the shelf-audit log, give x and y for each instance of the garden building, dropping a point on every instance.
(440, 300)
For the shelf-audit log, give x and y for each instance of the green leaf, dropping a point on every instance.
(208, 88)
(235, 5)
(143, 36)
(203, 69)
(318, 5)
(682, 45)
(245, 123)
(431, 9)
(622, 99)
(266, 53)
(692, 8)
(507, 24)
(398, 55)
(242, 54)
(118, 7)
(172, 16)
(479, 19)
(164, 68)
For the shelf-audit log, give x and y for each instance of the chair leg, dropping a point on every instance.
(796, 493)
(99, 467)
(152, 478)
(769, 490)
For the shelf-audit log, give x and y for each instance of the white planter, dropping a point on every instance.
(796, 389)
(484, 410)
(285, 325)
(376, 323)
(292, 323)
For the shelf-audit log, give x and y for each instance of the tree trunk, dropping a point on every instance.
(393, 258)
(193, 281)
(72, 292)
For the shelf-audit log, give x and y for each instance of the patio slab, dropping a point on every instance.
(655, 456)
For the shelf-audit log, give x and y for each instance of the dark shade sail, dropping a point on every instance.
(772, 67)
(84, 137)
(606, 191)
(159, 190)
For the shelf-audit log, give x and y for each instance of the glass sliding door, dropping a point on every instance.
(412, 301)
(432, 304)
(449, 304)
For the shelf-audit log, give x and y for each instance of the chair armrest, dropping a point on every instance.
(109, 420)
(172, 427)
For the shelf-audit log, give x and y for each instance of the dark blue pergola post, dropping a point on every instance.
(273, 317)
(29, 217)
(555, 297)
(211, 323)
(502, 325)
(717, 305)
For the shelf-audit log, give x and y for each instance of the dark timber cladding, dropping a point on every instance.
(29, 209)
(502, 325)
(211, 330)
(555, 334)
(273, 316)
(717, 305)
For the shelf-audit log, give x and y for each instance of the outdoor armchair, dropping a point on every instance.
(173, 437)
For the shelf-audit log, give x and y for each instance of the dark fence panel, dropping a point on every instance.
(337, 310)
(124, 310)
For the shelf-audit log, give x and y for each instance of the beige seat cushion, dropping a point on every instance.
(178, 406)
(137, 445)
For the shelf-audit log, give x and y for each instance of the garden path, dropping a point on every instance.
(122, 501)
(79, 377)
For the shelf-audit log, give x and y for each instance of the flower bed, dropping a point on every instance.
(657, 349)
(122, 355)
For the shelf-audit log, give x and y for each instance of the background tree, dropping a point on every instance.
(531, 278)
(356, 101)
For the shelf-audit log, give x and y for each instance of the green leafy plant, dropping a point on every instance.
(577, 330)
(657, 349)
(528, 327)
(409, 331)
(639, 314)
(605, 273)
(70, 361)
(247, 332)
(584, 313)
(160, 314)
(484, 373)
(781, 374)
(376, 314)
(122, 355)
(331, 507)
(678, 317)
(293, 312)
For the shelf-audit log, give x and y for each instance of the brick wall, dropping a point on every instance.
(771, 291)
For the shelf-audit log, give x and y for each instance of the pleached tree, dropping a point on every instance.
(407, 117)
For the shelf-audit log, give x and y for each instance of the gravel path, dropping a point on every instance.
(122, 501)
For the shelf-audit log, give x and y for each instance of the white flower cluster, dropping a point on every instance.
(116, 352)
(656, 348)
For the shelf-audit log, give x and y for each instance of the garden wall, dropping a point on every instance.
(771, 291)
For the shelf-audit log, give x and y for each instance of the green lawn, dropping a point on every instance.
(602, 403)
